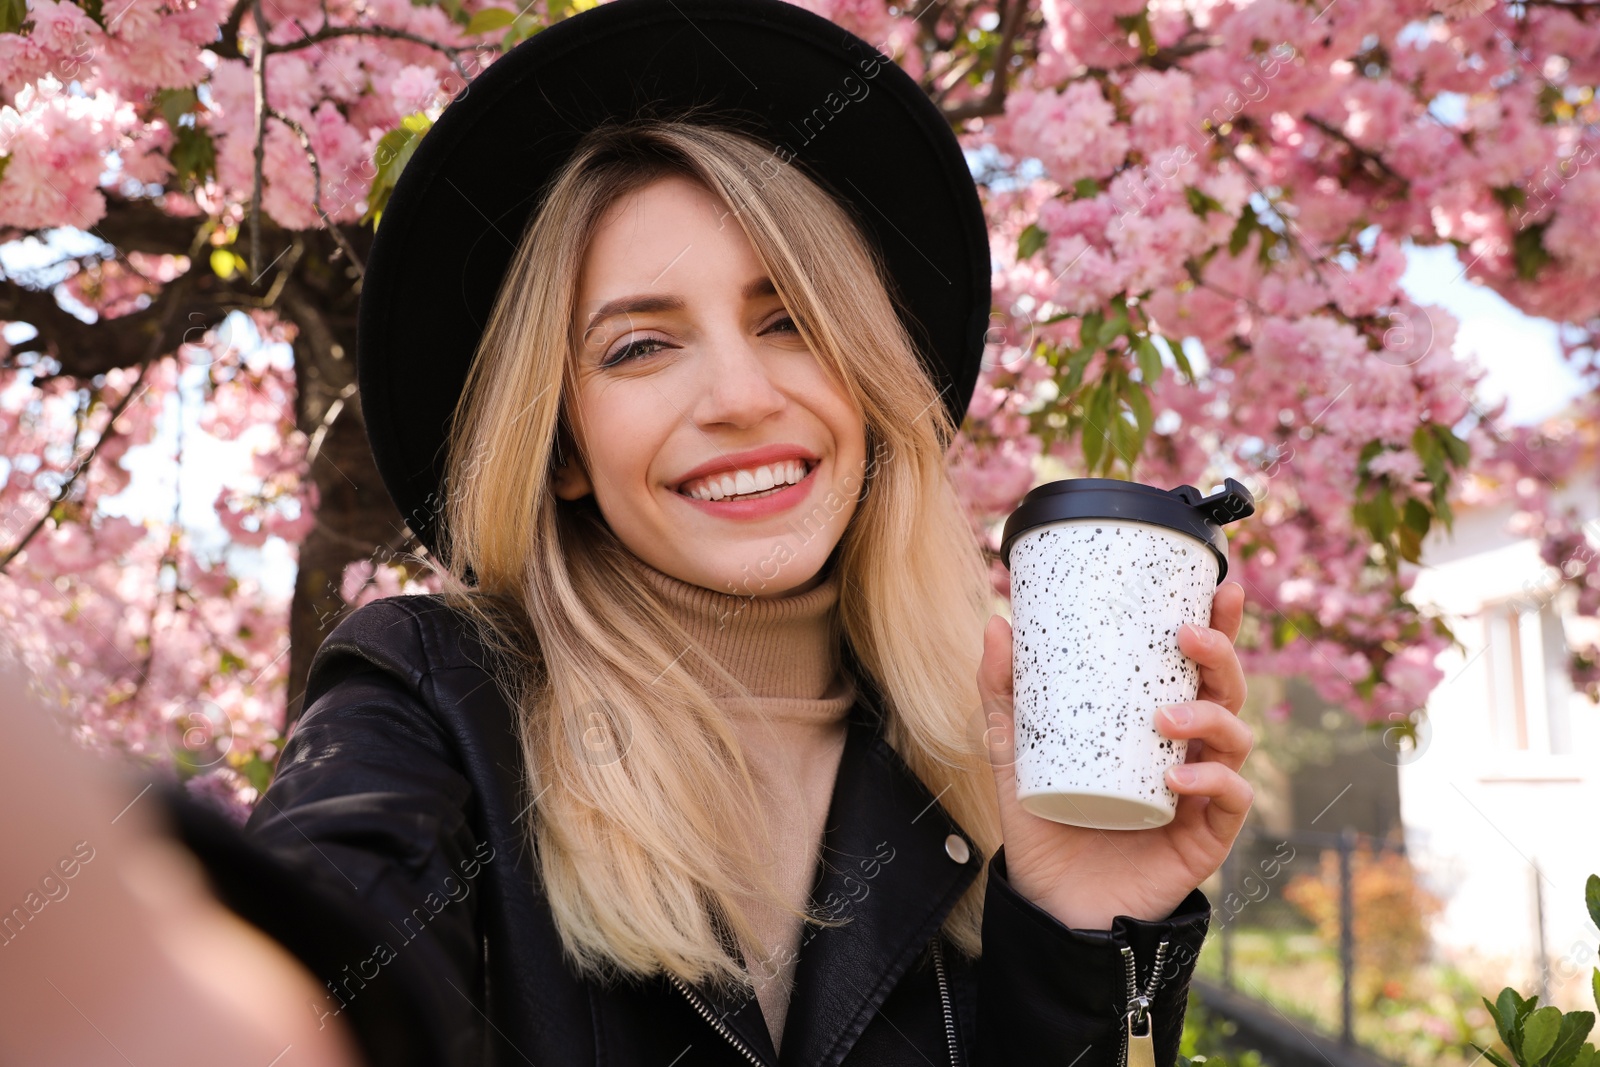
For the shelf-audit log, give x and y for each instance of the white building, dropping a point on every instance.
(1507, 777)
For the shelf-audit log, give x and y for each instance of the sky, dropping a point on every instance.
(1519, 353)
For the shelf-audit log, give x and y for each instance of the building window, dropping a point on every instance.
(1525, 654)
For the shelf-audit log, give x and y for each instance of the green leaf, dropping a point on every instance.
(1459, 451)
(1030, 241)
(1086, 188)
(1416, 517)
(1409, 544)
(13, 13)
(525, 26)
(1494, 1057)
(193, 155)
(391, 156)
(1503, 1023)
(1095, 428)
(1139, 403)
(1575, 1026)
(1269, 241)
(1586, 1057)
(1368, 450)
(1241, 230)
(258, 771)
(4, 160)
(1149, 359)
(1591, 897)
(490, 19)
(1441, 506)
(1200, 203)
(1528, 250)
(1112, 329)
(1181, 358)
(1539, 1031)
(176, 103)
(1509, 196)
(1089, 332)
(1125, 436)
(1594, 982)
(1077, 363)
(1384, 513)
(1425, 443)
(93, 8)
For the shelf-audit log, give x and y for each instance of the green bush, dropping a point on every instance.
(1545, 1037)
(1203, 1035)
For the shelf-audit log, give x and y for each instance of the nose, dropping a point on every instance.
(735, 385)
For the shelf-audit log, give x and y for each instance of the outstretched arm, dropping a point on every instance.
(113, 948)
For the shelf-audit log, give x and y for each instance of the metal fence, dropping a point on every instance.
(1251, 898)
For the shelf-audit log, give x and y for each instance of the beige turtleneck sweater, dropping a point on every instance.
(785, 649)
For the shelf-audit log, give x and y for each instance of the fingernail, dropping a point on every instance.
(1178, 715)
(1182, 775)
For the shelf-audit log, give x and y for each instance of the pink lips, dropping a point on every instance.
(755, 457)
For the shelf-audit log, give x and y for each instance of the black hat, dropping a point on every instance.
(851, 118)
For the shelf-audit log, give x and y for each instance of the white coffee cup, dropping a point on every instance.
(1103, 572)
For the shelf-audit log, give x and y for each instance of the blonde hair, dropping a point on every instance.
(641, 848)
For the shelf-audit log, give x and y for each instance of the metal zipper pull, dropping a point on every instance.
(1141, 1048)
(1138, 1050)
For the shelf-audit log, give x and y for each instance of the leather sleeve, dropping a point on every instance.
(365, 836)
(1050, 993)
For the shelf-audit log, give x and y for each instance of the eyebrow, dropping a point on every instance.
(628, 305)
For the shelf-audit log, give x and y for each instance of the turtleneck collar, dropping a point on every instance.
(784, 649)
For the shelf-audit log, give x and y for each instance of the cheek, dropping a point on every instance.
(627, 435)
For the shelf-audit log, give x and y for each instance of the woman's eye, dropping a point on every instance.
(784, 322)
(644, 346)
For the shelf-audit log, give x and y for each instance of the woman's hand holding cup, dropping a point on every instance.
(1085, 877)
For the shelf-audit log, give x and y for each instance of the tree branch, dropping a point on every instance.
(166, 309)
(1364, 154)
(258, 79)
(329, 33)
(1580, 8)
(316, 191)
(228, 47)
(994, 101)
(144, 226)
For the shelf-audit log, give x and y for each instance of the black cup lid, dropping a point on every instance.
(1183, 509)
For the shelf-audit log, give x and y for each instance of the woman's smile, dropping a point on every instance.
(742, 495)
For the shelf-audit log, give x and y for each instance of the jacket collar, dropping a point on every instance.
(885, 871)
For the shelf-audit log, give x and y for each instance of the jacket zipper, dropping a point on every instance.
(1140, 1046)
(944, 999)
(716, 1023)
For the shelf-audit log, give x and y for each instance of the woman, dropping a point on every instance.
(700, 755)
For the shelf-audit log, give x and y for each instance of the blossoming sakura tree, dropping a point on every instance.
(1198, 211)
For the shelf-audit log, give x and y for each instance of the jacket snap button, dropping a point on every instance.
(955, 846)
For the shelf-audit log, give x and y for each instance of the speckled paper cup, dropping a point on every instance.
(1103, 572)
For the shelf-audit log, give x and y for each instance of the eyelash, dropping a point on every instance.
(630, 351)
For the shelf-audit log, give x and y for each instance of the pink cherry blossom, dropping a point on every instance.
(1235, 182)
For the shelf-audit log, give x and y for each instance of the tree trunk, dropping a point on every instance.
(356, 520)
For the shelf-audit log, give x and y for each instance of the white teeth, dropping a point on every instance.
(744, 482)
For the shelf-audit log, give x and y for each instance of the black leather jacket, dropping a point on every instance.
(389, 855)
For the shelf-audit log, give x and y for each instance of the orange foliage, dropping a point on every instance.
(1391, 917)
